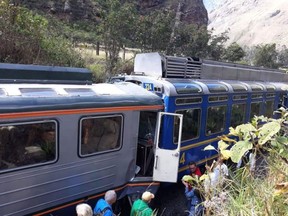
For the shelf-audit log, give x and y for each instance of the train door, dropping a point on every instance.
(166, 161)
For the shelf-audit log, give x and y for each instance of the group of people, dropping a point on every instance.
(216, 172)
(104, 206)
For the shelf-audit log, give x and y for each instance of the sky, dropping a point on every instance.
(210, 4)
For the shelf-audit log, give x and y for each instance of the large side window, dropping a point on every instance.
(216, 119)
(191, 124)
(238, 114)
(255, 109)
(27, 144)
(100, 134)
(269, 109)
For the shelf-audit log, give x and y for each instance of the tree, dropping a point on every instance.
(234, 52)
(190, 40)
(153, 31)
(266, 56)
(116, 29)
(283, 56)
(216, 48)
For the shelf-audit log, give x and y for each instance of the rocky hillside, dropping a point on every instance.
(251, 22)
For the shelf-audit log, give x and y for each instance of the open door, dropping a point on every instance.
(166, 160)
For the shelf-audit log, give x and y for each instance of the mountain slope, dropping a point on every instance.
(251, 22)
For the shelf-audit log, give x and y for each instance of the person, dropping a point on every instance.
(140, 207)
(221, 168)
(193, 196)
(194, 169)
(84, 209)
(104, 206)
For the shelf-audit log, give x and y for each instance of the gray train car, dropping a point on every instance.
(64, 140)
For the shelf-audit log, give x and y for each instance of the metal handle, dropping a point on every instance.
(156, 161)
(176, 154)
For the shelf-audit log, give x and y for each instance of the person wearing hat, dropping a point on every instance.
(193, 196)
(140, 207)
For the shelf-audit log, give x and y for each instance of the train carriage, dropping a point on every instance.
(64, 140)
(211, 96)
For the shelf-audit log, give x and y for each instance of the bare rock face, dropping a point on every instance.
(192, 11)
(251, 22)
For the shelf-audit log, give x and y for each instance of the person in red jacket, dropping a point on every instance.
(194, 169)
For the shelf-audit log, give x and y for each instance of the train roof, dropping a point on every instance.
(32, 97)
(181, 86)
(162, 66)
(21, 73)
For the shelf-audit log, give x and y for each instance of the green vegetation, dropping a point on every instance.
(26, 37)
(104, 35)
(263, 191)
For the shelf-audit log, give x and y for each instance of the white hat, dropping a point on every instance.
(147, 196)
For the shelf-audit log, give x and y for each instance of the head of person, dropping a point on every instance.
(110, 197)
(187, 179)
(210, 165)
(192, 166)
(147, 196)
(84, 209)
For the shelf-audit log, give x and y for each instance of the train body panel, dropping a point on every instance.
(66, 148)
(211, 96)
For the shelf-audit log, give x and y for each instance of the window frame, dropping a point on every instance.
(27, 122)
(199, 129)
(100, 152)
(224, 121)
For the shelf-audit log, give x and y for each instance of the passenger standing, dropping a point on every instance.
(193, 196)
(221, 168)
(84, 209)
(194, 169)
(140, 207)
(104, 206)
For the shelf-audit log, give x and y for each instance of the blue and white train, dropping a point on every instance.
(65, 140)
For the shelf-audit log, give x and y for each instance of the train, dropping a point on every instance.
(65, 140)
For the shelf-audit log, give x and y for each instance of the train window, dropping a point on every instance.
(257, 96)
(27, 144)
(187, 88)
(239, 97)
(147, 126)
(238, 114)
(100, 134)
(255, 109)
(238, 87)
(218, 98)
(216, 119)
(256, 87)
(269, 109)
(38, 92)
(216, 87)
(191, 124)
(270, 95)
(80, 92)
(186, 101)
(2, 92)
(270, 87)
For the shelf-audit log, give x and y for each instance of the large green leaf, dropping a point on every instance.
(239, 149)
(282, 139)
(222, 145)
(226, 154)
(267, 131)
(244, 130)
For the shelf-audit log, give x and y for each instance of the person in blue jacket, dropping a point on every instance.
(193, 196)
(104, 206)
